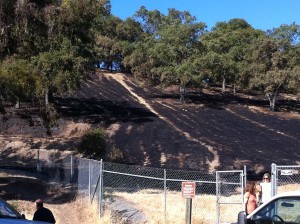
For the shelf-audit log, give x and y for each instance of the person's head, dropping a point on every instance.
(39, 203)
(266, 177)
(250, 187)
(257, 187)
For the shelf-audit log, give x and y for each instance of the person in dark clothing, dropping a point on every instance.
(42, 213)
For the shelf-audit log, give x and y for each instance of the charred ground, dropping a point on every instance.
(210, 131)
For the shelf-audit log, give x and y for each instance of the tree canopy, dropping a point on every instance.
(50, 47)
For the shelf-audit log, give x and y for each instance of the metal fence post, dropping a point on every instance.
(72, 169)
(244, 182)
(217, 195)
(100, 188)
(273, 179)
(165, 195)
(245, 177)
(90, 181)
(38, 162)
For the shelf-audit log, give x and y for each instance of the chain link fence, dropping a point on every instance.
(203, 203)
(285, 178)
(230, 192)
(53, 169)
(156, 192)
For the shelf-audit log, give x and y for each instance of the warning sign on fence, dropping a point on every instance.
(287, 172)
(188, 189)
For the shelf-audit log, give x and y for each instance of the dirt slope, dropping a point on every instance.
(211, 131)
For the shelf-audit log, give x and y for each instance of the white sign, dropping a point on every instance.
(286, 172)
(188, 189)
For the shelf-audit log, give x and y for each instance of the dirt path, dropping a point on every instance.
(215, 162)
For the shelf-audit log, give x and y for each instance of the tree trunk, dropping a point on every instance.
(182, 93)
(272, 101)
(223, 85)
(2, 108)
(50, 96)
(17, 105)
(46, 96)
(234, 88)
(111, 66)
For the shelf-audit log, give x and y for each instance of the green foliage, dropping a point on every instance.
(272, 81)
(49, 47)
(93, 143)
(228, 47)
(59, 71)
(142, 59)
(169, 50)
(17, 81)
(274, 66)
(291, 33)
(51, 44)
(177, 50)
(150, 20)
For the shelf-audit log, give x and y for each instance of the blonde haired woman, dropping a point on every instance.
(266, 188)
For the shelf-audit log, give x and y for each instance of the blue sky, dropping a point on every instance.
(260, 14)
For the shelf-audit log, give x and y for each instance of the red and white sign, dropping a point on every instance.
(188, 189)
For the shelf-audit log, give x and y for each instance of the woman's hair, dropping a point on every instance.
(250, 187)
(257, 187)
(266, 175)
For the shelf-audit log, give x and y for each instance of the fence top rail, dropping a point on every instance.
(229, 183)
(230, 171)
(292, 166)
(90, 160)
(159, 178)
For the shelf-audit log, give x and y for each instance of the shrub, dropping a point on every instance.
(115, 155)
(93, 144)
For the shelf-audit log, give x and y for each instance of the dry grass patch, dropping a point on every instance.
(288, 187)
(80, 211)
(75, 212)
(24, 207)
(151, 203)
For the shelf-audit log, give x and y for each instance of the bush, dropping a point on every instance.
(115, 155)
(93, 144)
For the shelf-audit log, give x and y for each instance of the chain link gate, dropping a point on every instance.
(230, 192)
(285, 178)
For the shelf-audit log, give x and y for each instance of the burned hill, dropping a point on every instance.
(152, 128)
